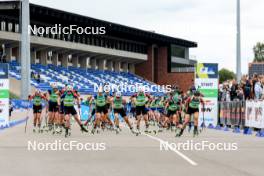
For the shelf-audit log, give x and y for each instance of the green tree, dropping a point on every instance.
(259, 52)
(225, 74)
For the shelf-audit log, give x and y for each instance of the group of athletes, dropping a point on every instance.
(173, 111)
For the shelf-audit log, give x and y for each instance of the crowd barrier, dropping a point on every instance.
(232, 113)
(246, 115)
(23, 104)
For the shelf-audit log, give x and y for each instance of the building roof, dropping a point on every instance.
(47, 15)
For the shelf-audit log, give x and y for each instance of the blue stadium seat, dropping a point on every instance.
(85, 80)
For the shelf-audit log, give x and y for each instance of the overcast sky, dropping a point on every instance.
(210, 23)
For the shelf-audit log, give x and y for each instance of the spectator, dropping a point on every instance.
(240, 93)
(247, 88)
(258, 89)
(233, 92)
(254, 80)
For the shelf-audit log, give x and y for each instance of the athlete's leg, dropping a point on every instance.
(67, 124)
(186, 121)
(97, 120)
(138, 121)
(146, 121)
(116, 120)
(34, 122)
(195, 117)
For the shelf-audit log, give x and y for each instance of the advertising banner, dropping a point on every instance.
(254, 114)
(4, 95)
(206, 81)
(85, 110)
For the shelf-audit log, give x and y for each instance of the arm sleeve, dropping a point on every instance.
(63, 96)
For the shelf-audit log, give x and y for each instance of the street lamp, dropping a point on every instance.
(25, 49)
(238, 47)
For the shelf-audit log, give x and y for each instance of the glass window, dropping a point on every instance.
(177, 51)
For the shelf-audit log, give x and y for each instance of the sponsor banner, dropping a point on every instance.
(208, 113)
(210, 93)
(206, 81)
(85, 111)
(254, 114)
(4, 95)
(4, 112)
(206, 70)
(23, 104)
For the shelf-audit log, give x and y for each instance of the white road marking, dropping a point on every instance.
(171, 148)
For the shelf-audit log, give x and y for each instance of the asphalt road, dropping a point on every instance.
(127, 154)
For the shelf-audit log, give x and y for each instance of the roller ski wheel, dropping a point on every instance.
(132, 131)
(137, 133)
(147, 131)
(84, 129)
(160, 130)
(93, 131)
(178, 135)
(154, 132)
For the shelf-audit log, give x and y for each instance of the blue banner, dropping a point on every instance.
(85, 112)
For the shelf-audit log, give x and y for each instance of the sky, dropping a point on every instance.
(210, 23)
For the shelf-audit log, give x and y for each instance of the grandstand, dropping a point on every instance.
(123, 55)
(84, 80)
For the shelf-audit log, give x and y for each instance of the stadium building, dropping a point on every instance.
(154, 57)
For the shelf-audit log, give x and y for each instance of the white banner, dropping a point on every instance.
(4, 96)
(207, 113)
(206, 81)
(254, 114)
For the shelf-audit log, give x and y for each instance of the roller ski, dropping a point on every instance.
(195, 133)
(40, 130)
(83, 129)
(137, 132)
(179, 133)
(117, 130)
(67, 132)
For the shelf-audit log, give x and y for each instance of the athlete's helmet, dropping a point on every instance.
(118, 94)
(69, 88)
(75, 87)
(54, 85)
(38, 91)
(141, 89)
(100, 90)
